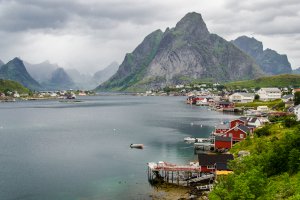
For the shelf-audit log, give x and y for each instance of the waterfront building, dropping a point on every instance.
(268, 94)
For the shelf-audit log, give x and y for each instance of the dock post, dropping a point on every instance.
(177, 177)
(172, 177)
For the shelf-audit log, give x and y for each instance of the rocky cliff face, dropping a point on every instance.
(269, 60)
(182, 54)
(16, 71)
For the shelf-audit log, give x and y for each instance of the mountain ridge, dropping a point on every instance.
(15, 70)
(269, 60)
(179, 55)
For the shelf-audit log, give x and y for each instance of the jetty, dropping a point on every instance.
(177, 174)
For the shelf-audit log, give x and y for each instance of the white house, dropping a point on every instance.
(268, 94)
(297, 112)
(241, 97)
(263, 108)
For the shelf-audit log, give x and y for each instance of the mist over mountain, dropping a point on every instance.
(16, 71)
(59, 80)
(269, 60)
(41, 71)
(296, 71)
(1, 63)
(104, 74)
(186, 53)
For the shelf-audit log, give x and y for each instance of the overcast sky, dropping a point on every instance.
(89, 34)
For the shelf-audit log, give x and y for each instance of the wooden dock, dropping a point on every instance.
(177, 174)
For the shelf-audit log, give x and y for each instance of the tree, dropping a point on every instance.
(256, 97)
(294, 161)
(297, 98)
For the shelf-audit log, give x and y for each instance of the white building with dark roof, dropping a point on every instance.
(241, 97)
(268, 94)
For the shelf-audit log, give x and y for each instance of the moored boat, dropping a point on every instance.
(137, 146)
(189, 139)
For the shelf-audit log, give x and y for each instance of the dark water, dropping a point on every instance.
(51, 150)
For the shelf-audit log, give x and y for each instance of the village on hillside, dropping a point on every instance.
(256, 109)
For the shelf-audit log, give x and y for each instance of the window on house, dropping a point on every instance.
(230, 134)
(210, 167)
(241, 135)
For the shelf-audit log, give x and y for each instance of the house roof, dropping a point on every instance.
(222, 126)
(252, 119)
(271, 89)
(243, 119)
(245, 94)
(212, 159)
(244, 128)
(224, 139)
(288, 96)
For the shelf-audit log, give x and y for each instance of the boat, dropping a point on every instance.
(189, 139)
(203, 140)
(137, 146)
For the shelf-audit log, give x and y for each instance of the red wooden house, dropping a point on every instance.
(238, 133)
(222, 128)
(236, 122)
(212, 162)
(222, 142)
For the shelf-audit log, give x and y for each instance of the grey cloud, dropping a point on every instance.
(22, 15)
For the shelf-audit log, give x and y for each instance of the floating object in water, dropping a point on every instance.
(201, 125)
(189, 139)
(137, 146)
(192, 123)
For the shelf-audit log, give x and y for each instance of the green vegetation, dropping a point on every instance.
(271, 171)
(284, 80)
(8, 85)
(271, 104)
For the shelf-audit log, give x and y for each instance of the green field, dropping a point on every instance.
(284, 80)
(12, 86)
(256, 103)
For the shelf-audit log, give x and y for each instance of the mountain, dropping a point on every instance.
(282, 80)
(269, 60)
(42, 71)
(16, 71)
(59, 80)
(296, 71)
(1, 63)
(81, 81)
(104, 74)
(179, 55)
(12, 86)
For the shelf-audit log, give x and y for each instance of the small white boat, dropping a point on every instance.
(203, 140)
(137, 146)
(189, 139)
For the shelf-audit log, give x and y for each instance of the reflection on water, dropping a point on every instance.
(80, 150)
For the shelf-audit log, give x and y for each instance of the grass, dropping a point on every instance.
(12, 86)
(256, 103)
(284, 80)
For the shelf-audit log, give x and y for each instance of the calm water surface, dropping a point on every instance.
(50, 150)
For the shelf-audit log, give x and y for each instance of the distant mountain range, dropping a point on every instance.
(296, 71)
(179, 55)
(47, 76)
(16, 71)
(269, 60)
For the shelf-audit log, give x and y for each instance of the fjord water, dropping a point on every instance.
(72, 151)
